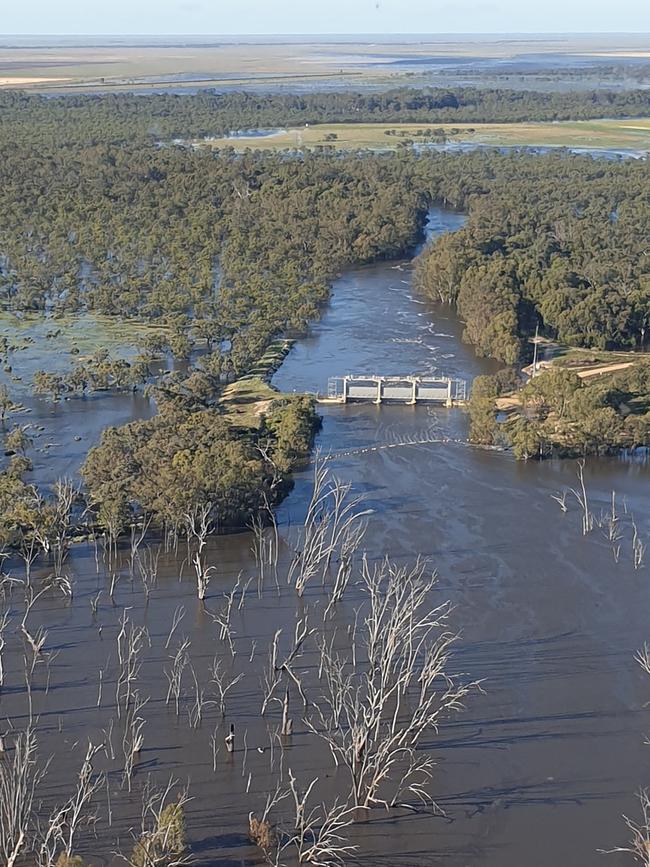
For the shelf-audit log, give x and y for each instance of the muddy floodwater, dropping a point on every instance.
(539, 767)
(62, 432)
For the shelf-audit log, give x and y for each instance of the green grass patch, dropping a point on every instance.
(245, 401)
(622, 133)
(574, 357)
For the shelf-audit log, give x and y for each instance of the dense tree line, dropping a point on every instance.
(551, 241)
(188, 456)
(123, 117)
(230, 251)
(236, 249)
(562, 414)
(616, 75)
(239, 248)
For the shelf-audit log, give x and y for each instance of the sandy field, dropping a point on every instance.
(15, 81)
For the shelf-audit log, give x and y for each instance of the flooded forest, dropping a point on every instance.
(240, 624)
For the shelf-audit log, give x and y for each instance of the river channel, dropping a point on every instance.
(538, 770)
(542, 763)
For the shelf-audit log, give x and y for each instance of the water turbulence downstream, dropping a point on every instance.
(538, 768)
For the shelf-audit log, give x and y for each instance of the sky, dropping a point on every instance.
(265, 17)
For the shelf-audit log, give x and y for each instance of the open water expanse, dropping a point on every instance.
(540, 766)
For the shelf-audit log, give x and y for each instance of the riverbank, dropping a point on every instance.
(571, 406)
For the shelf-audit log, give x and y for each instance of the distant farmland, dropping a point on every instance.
(617, 134)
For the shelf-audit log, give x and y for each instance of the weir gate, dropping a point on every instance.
(397, 389)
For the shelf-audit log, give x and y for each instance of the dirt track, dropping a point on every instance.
(603, 368)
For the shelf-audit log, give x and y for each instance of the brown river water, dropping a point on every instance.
(535, 772)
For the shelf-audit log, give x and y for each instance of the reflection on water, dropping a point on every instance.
(63, 432)
(539, 768)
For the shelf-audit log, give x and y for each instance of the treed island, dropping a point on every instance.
(225, 258)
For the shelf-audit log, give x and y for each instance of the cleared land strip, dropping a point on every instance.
(623, 133)
(603, 368)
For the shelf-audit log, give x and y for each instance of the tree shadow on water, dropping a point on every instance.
(204, 850)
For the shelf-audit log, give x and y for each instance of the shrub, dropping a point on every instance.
(261, 833)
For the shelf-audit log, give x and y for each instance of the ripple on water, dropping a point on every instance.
(547, 616)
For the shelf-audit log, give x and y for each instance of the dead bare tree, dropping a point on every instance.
(223, 681)
(611, 522)
(313, 833)
(115, 580)
(583, 500)
(28, 551)
(195, 714)
(138, 533)
(261, 829)
(350, 542)
(174, 673)
(259, 548)
(179, 614)
(638, 547)
(276, 667)
(131, 641)
(65, 494)
(133, 738)
(331, 515)
(266, 544)
(242, 593)
(107, 746)
(20, 778)
(318, 833)
(222, 618)
(58, 835)
(214, 748)
(8, 583)
(146, 567)
(560, 498)
(639, 845)
(4, 623)
(286, 728)
(35, 641)
(94, 603)
(379, 702)
(199, 526)
(643, 658)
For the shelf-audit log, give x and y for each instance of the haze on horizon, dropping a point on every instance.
(336, 17)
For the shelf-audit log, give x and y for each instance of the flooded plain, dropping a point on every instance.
(541, 764)
(63, 431)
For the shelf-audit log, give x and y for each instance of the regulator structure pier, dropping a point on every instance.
(396, 389)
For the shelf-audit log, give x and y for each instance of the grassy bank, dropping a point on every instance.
(246, 401)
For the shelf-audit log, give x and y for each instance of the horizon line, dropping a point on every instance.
(506, 33)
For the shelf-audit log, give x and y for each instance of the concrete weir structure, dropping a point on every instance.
(397, 389)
